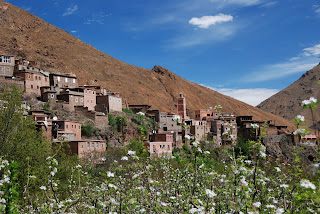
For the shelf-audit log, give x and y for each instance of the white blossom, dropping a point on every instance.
(257, 204)
(124, 158)
(254, 126)
(131, 152)
(210, 193)
(307, 184)
(187, 137)
(43, 188)
(110, 174)
(301, 118)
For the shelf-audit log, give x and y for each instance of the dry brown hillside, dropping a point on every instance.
(287, 103)
(25, 35)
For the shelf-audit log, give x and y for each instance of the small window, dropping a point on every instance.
(37, 87)
(71, 126)
(31, 86)
(97, 145)
(91, 101)
(66, 79)
(7, 59)
(75, 126)
(76, 99)
(82, 146)
(88, 145)
(52, 95)
(39, 78)
(73, 80)
(58, 78)
(92, 145)
(79, 127)
(168, 147)
(67, 126)
(36, 77)
(81, 100)
(1, 69)
(8, 69)
(0, 58)
(46, 79)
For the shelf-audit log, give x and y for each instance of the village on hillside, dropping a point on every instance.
(173, 129)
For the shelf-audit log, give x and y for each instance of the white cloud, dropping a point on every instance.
(269, 4)
(70, 10)
(97, 18)
(298, 64)
(207, 21)
(199, 37)
(251, 96)
(312, 51)
(238, 2)
(74, 31)
(316, 8)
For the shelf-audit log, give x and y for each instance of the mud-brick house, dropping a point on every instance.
(100, 90)
(160, 149)
(89, 98)
(199, 129)
(63, 80)
(42, 122)
(7, 63)
(34, 78)
(70, 98)
(88, 148)
(66, 130)
(162, 137)
(49, 93)
(108, 103)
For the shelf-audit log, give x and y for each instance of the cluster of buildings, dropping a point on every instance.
(174, 129)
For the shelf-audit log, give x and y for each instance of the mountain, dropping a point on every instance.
(287, 103)
(25, 35)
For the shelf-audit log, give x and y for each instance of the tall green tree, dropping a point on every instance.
(19, 139)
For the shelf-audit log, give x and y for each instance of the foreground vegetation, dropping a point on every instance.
(198, 179)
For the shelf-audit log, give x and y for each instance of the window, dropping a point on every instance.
(168, 147)
(29, 76)
(81, 146)
(73, 80)
(0, 58)
(81, 100)
(8, 69)
(66, 79)
(7, 59)
(37, 87)
(76, 99)
(92, 145)
(91, 100)
(79, 127)
(46, 79)
(36, 77)
(39, 78)
(71, 126)
(154, 148)
(52, 95)
(31, 86)
(1, 69)
(58, 78)
(67, 126)
(97, 144)
(88, 145)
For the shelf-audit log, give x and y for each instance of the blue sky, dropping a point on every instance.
(247, 49)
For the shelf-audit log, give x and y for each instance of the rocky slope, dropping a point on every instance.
(25, 35)
(287, 103)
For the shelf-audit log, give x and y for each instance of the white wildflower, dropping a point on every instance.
(278, 169)
(254, 126)
(141, 113)
(43, 188)
(113, 186)
(187, 137)
(279, 211)
(301, 118)
(284, 185)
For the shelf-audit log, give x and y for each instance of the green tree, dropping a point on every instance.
(19, 139)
